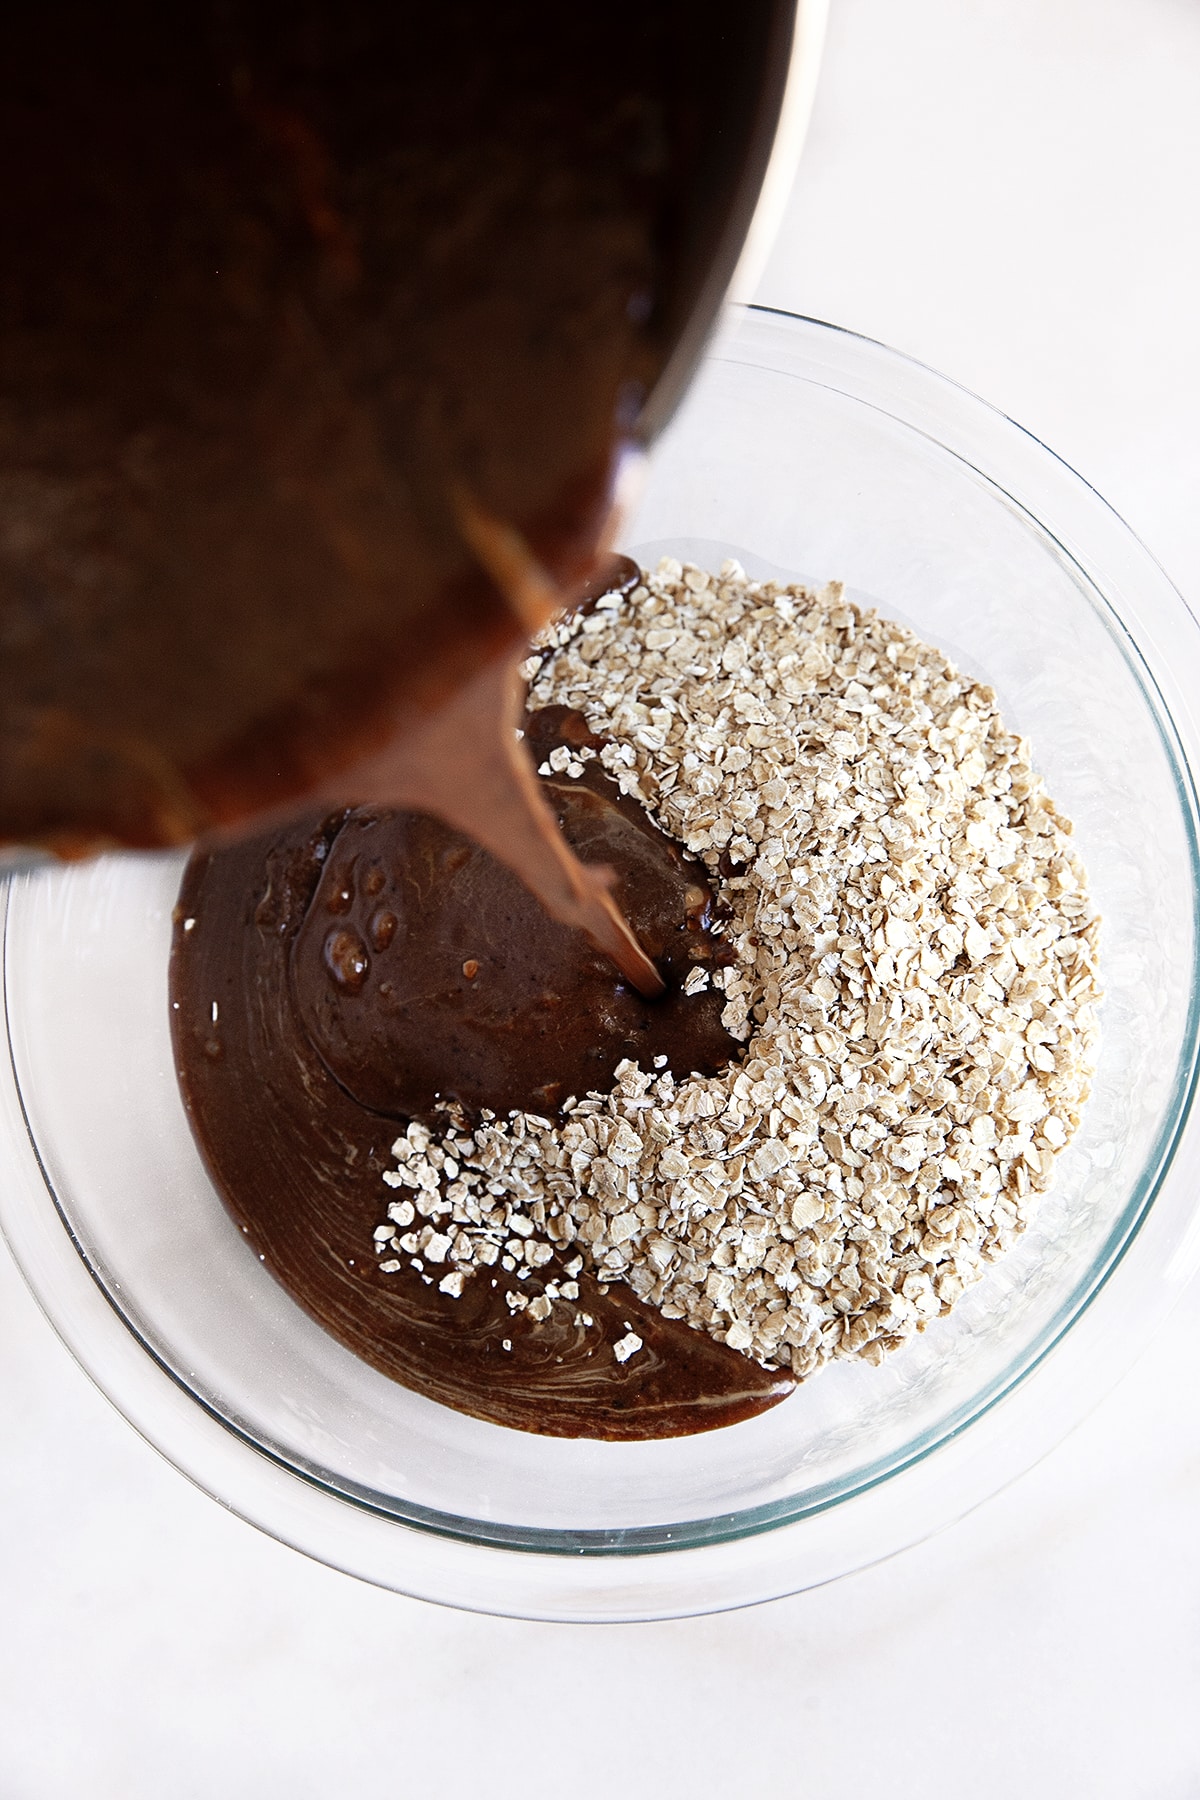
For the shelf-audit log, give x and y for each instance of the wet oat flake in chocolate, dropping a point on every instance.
(368, 969)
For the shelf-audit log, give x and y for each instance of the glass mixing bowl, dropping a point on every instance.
(808, 452)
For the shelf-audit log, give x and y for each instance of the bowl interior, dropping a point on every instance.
(801, 470)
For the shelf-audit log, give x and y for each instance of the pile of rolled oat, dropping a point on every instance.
(915, 986)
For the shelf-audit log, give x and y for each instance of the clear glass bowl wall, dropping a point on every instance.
(805, 453)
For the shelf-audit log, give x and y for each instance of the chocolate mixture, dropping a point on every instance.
(324, 329)
(304, 307)
(340, 976)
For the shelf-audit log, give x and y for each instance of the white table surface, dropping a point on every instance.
(1010, 192)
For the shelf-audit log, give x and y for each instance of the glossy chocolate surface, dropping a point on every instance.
(341, 976)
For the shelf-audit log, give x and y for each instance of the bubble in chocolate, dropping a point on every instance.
(383, 926)
(345, 957)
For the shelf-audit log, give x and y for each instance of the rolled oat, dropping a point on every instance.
(915, 987)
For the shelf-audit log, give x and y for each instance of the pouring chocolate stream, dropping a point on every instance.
(283, 285)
